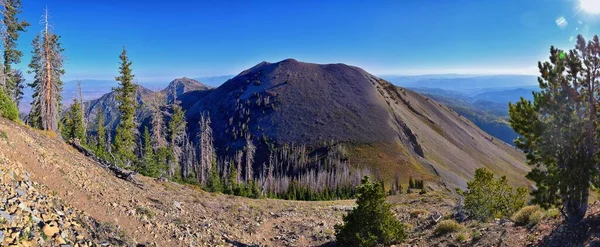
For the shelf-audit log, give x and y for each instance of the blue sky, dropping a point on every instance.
(168, 39)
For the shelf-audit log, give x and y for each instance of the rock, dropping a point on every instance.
(60, 240)
(50, 229)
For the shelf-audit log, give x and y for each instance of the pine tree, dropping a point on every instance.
(150, 167)
(124, 144)
(214, 182)
(11, 55)
(46, 64)
(18, 84)
(372, 222)
(411, 184)
(100, 135)
(76, 131)
(559, 129)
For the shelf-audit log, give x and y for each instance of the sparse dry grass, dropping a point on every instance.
(418, 213)
(528, 216)
(448, 226)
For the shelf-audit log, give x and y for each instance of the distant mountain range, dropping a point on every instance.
(386, 128)
(468, 84)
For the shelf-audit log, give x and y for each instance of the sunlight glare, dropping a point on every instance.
(590, 6)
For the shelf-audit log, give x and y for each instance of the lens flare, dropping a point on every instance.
(590, 6)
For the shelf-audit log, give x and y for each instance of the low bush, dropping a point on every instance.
(488, 198)
(448, 226)
(552, 213)
(7, 107)
(528, 216)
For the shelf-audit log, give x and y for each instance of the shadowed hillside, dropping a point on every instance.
(387, 128)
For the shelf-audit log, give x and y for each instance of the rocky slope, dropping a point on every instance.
(52, 194)
(388, 128)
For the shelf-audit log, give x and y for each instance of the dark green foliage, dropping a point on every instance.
(161, 156)
(559, 129)
(7, 107)
(18, 84)
(488, 198)
(150, 166)
(416, 184)
(73, 125)
(124, 144)
(100, 135)
(214, 182)
(372, 222)
(14, 84)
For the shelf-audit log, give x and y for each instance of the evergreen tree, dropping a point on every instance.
(150, 167)
(18, 84)
(67, 127)
(76, 125)
(100, 135)
(124, 145)
(214, 182)
(11, 55)
(372, 222)
(559, 129)
(46, 65)
(411, 184)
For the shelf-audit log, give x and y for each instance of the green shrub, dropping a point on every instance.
(475, 235)
(528, 216)
(488, 198)
(461, 237)
(553, 213)
(448, 226)
(372, 222)
(7, 107)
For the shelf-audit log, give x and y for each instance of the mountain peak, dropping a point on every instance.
(183, 85)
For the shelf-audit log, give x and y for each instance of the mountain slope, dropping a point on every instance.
(148, 101)
(387, 128)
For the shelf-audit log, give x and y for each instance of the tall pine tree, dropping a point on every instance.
(124, 144)
(11, 55)
(46, 65)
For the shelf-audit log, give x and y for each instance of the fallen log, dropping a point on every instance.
(121, 173)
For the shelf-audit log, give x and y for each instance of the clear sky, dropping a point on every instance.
(168, 39)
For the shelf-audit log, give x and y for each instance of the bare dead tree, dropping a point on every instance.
(250, 151)
(82, 106)
(238, 162)
(207, 151)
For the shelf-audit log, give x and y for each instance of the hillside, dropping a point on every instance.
(387, 128)
(76, 202)
(148, 101)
